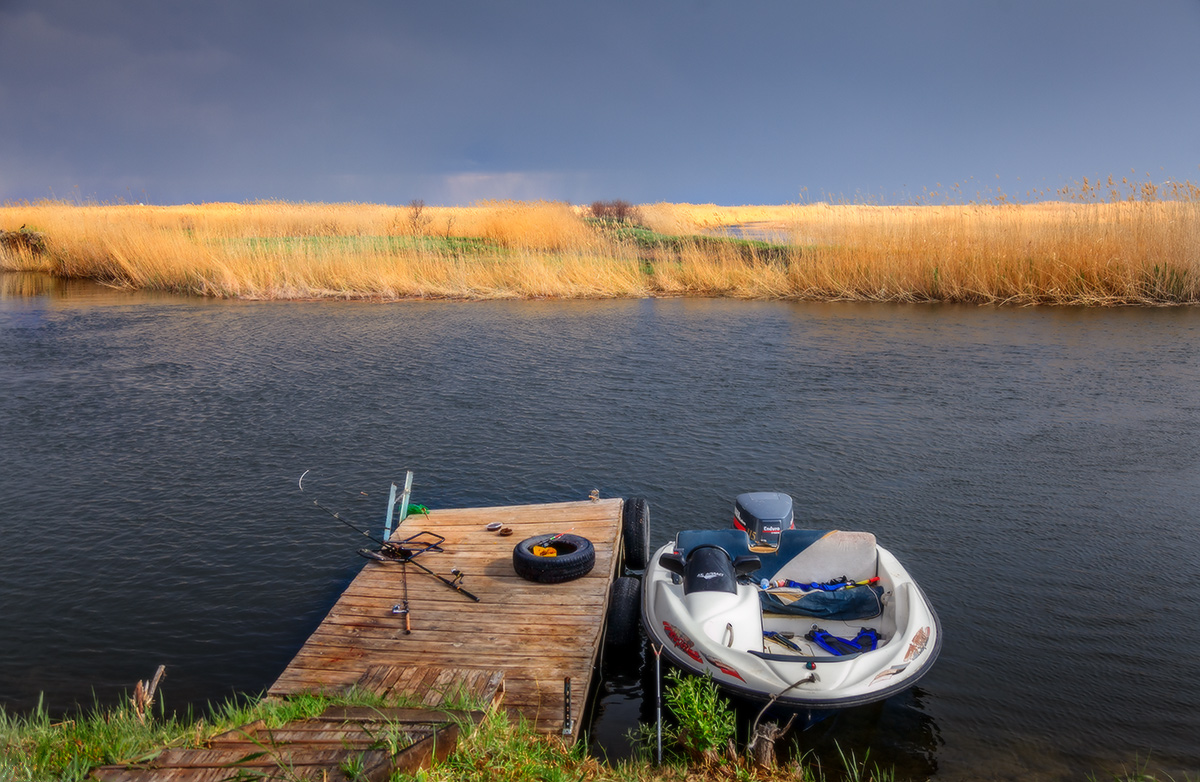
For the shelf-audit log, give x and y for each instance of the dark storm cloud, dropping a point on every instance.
(388, 101)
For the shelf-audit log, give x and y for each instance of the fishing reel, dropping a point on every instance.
(413, 546)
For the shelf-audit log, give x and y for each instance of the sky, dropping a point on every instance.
(697, 101)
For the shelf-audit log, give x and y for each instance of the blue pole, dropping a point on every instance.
(387, 525)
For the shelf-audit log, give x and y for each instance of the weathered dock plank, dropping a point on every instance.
(536, 634)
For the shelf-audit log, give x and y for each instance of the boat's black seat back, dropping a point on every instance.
(709, 569)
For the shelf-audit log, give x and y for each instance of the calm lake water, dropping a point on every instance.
(1037, 470)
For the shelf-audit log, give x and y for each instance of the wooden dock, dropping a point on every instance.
(514, 648)
(537, 634)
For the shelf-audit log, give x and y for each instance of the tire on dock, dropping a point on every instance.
(624, 615)
(635, 532)
(574, 557)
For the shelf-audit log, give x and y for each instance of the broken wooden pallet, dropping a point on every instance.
(344, 742)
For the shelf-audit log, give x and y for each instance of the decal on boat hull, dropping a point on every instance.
(724, 667)
(682, 642)
(890, 672)
(919, 642)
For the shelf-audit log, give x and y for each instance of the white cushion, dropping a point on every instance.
(834, 555)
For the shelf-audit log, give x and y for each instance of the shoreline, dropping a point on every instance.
(1129, 253)
(376, 298)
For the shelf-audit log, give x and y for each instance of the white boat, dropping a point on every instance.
(816, 619)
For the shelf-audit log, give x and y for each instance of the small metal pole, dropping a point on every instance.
(404, 497)
(658, 696)
(568, 724)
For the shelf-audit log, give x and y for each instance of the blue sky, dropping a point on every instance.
(733, 103)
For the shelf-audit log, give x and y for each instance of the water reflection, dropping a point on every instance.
(899, 732)
(20, 285)
(33, 289)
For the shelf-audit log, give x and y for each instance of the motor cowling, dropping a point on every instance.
(763, 515)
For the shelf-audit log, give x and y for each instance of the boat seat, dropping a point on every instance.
(803, 555)
(736, 543)
(833, 555)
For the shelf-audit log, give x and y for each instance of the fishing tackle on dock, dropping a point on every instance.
(402, 551)
(397, 552)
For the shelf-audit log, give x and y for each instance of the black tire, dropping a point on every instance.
(635, 533)
(576, 557)
(624, 613)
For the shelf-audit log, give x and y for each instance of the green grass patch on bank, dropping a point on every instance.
(645, 239)
(454, 246)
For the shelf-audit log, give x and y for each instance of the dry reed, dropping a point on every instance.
(1110, 244)
(1141, 246)
(281, 250)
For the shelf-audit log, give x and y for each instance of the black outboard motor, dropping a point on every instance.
(763, 515)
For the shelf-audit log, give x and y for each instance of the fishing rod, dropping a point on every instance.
(404, 610)
(334, 513)
(395, 551)
(383, 544)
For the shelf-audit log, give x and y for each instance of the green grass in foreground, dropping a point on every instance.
(37, 748)
(698, 744)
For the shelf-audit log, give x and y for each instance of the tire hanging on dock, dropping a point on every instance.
(624, 616)
(635, 533)
(574, 557)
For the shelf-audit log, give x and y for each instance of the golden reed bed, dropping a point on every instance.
(1142, 249)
